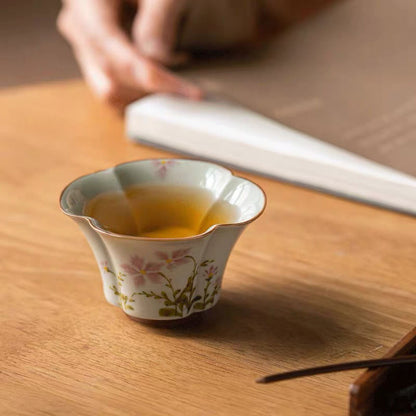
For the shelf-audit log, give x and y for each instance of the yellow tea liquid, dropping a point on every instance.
(160, 211)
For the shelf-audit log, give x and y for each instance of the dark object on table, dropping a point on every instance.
(335, 368)
(387, 391)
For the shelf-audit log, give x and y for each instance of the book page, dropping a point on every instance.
(346, 76)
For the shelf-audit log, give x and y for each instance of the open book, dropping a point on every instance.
(235, 136)
(345, 76)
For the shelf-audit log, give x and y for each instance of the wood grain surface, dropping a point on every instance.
(315, 280)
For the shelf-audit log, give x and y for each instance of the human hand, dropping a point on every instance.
(120, 69)
(111, 63)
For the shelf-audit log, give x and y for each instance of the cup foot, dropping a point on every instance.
(170, 323)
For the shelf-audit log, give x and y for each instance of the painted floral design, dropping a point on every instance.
(174, 259)
(124, 300)
(162, 166)
(104, 265)
(177, 302)
(140, 270)
(211, 272)
(209, 292)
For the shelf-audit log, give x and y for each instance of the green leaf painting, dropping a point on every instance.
(175, 301)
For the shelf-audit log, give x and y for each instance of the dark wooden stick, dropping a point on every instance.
(354, 365)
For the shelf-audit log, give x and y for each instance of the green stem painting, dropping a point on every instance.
(177, 302)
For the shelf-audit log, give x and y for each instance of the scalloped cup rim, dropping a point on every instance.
(95, 225)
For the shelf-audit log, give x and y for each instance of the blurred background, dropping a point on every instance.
(31, 49)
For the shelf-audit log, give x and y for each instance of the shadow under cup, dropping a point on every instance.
(161, 231)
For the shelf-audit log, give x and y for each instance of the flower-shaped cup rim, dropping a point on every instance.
(96, 226)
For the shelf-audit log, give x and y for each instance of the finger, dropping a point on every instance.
(98, 78)
(105, 85)
(154, 78)
(137, 71)
(111, 64)
(88, 21)
(155, 30)
(88, 26)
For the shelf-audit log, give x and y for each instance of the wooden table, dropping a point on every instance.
(316, 280)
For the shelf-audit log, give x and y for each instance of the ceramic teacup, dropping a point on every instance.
(159, 279)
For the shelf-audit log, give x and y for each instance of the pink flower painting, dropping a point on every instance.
(176, 258)
(140, 270)
(211, 272)
(162, 166)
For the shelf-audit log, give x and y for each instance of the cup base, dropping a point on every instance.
(170, 323)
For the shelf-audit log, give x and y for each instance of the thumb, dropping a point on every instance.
(156, 27)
